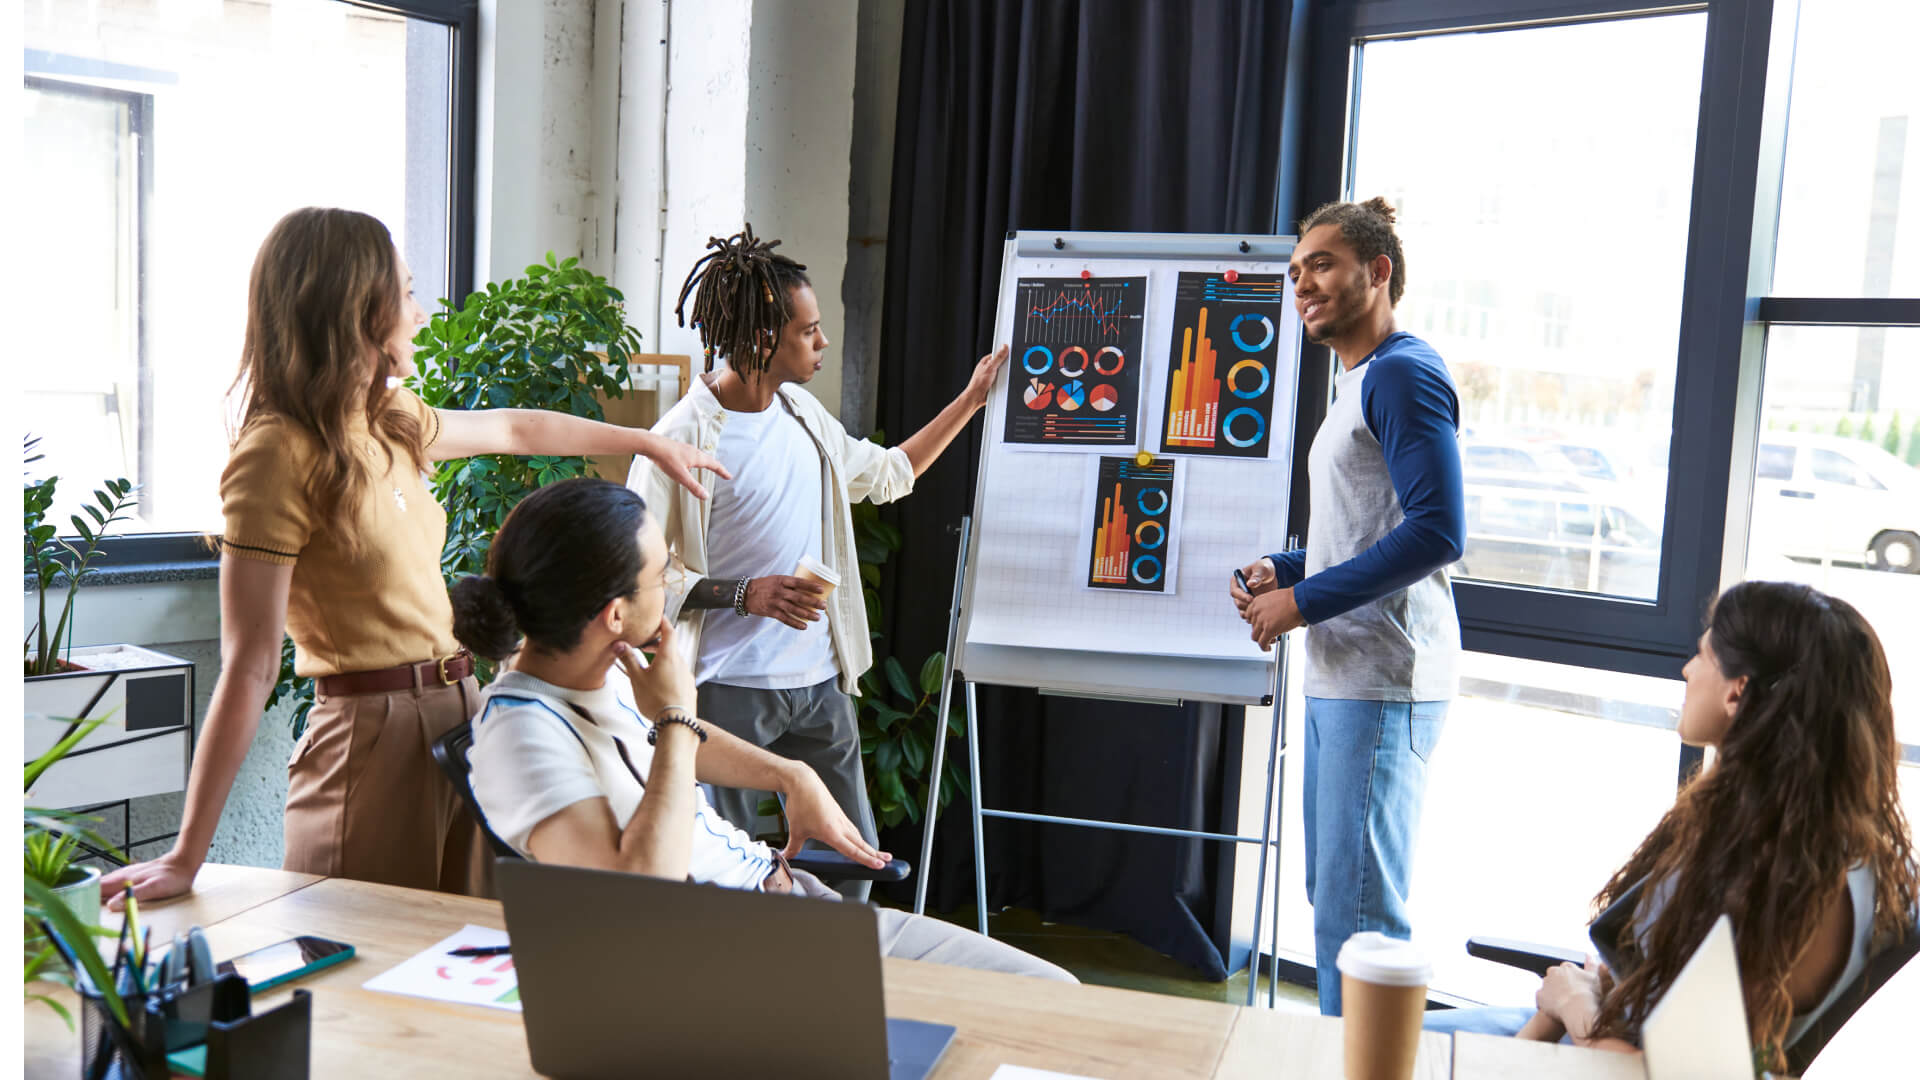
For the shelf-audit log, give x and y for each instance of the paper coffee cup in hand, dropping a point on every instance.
(1383, 992)
(812, 569)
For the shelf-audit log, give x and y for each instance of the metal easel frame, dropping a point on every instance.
(1268, 839)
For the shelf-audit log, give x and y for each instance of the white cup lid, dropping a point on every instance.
(819, 569)
(1376, 958)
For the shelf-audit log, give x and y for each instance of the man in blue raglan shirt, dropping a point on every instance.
(1386, 517)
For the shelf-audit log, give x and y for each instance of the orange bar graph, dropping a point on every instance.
(1194, 418)
(1112, 542)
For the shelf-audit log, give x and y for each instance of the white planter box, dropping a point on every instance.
(146, 743)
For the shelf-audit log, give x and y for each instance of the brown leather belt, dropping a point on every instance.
(426, 675)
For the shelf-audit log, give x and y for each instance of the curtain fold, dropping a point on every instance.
(1107, 115)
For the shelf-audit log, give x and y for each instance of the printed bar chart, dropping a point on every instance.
(1111, 544)
(1222, 405)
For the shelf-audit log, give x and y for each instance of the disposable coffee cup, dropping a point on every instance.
(1383, 993)
(812, 569)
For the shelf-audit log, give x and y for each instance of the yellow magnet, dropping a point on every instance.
(1143, 459)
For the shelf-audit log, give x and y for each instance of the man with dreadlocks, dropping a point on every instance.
(778, 656)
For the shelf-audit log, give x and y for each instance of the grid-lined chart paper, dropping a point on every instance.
(1027, 566)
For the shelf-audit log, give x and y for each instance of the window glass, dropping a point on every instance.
(1519, 731)
(1850, 196)
(162, 142)
(1854, 531)
(1837, 468)
(1562, 375)
(1776, 462)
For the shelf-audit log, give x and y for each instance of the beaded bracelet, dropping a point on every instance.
(674, 716)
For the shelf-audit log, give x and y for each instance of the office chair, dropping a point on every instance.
(450, 753)
(1880, 967)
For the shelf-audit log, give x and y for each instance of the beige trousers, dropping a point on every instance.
(366, 801)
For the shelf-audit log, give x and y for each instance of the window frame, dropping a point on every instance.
(1740, 132)
(189, 550)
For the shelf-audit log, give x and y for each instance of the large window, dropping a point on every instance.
(1836, 470)
(1560, 326)
(162, 143)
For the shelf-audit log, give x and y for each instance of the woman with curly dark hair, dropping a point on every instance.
(1794, 830)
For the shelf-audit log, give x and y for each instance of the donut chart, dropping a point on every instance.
(1159, 535)
(1266, 324)
(1046, 361)
(1066, 355)
(1147, 570)
(1100, 358)
(1259, 369)
(1227, 428)
(1158, 496)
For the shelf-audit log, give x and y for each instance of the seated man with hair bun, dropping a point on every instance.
(575, 766)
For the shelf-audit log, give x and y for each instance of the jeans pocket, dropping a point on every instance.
(1424, 721)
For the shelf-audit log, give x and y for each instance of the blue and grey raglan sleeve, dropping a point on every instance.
(1411, 408)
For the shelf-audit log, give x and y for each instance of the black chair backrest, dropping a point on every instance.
(1881, 966)
(450, 753)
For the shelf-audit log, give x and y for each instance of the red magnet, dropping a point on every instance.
(1086, 275)
(1233, 276)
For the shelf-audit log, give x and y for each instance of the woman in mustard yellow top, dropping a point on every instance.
(333, 538)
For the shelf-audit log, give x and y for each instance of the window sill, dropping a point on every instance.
(145, 574)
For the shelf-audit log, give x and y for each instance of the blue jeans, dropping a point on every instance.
(1366, 776)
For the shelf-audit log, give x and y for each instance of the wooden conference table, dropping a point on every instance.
(1002, 1019)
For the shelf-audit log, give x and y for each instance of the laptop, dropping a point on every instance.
(1698, 1031)
(623, 975)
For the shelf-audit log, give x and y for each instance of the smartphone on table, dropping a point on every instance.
(284, 961)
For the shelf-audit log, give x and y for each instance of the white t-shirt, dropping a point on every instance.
(539, 748)
(763, 522)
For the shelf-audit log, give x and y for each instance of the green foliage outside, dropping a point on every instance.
(1891, 444)
(1913, 444)
(532, 342)
(1866, 429)
(1844, 428)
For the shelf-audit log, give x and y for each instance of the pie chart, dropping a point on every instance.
(1039, 395)
(1072, 395)
(1103, 397)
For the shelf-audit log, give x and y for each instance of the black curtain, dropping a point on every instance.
(1112, 115)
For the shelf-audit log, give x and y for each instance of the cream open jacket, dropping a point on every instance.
(854, 469)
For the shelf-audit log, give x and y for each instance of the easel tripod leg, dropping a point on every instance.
(973, 799)
(925, 867)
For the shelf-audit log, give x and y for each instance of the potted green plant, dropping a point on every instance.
(551, 339)
(63, 895)
(149, 693)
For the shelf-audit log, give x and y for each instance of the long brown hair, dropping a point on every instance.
(1803, 788)
(322, 302)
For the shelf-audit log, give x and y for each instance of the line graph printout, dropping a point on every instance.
(1223, 364)
(1076, 363)
(1132, 526)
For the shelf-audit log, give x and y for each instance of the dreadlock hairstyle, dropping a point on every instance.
(743, 300)
(1367, 227)
(1803, 787)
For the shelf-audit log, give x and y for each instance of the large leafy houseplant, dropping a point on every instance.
(51, 840)
(52, 560)
(548, 340)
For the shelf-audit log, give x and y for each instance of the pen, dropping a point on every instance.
(480, 950)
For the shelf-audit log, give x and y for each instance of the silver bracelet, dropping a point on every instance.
(740, 597)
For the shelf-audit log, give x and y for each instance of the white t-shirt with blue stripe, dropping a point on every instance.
(539, 748)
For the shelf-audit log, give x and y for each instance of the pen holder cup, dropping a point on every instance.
(105, 1057)
(241, 1044)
